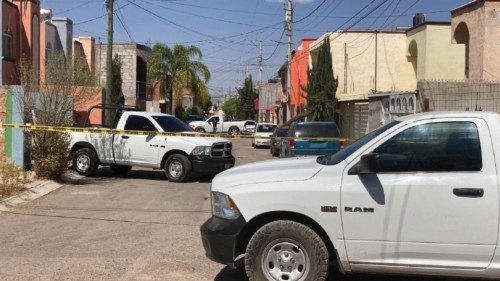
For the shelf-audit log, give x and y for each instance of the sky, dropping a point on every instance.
(228, 31)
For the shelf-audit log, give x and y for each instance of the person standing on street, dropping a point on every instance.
(214, 124)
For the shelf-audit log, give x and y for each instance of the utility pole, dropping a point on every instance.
(109, 55)
(288, 29)
(376, 60)
(261, 70)
(346, 59)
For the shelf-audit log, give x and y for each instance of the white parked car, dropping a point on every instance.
(263, 132)
(179, 156)
(419, 195)
(223, 126)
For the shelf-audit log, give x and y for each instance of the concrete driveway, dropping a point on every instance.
(138, 227)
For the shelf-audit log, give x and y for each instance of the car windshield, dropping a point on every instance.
(311, 130)
(265, 128)
(350, 149)
(172, 124)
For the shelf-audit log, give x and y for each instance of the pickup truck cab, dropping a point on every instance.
(419, 195)
(179, 156)
(223, 126)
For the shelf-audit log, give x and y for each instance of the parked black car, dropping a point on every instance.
(277, 141)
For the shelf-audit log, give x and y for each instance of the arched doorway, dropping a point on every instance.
(413, 56)
(462, 36)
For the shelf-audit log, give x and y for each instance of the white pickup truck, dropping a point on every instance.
(223, 126)
(419, 195)
(179, 156)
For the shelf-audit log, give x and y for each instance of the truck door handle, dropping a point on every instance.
(125, 137)
(469, 192)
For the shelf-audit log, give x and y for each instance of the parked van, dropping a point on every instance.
(299, 144)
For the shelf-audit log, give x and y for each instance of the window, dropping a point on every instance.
(433, 147)
(266, 128)
(312, 130)
(172, 124)
(7, 45)
(139, 123)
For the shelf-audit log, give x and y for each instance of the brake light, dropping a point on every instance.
(343, 144)
(291, 143)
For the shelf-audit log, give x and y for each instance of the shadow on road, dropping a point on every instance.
(238, 273)
(106, 174)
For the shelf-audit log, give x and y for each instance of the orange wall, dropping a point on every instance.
(299, 67)
(81, 110)
(10, 21)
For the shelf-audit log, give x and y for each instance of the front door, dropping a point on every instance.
(433, 203)
(137, 150)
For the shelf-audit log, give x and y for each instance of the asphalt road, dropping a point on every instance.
(138, 227)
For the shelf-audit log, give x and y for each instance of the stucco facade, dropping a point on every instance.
(299, 66)
(432, 54)
(368, 61)
(11, 33)
(476, 26)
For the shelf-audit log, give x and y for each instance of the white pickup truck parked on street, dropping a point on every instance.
(223, 126)
(419, 195)
(179, 156)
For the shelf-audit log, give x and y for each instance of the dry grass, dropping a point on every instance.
(12, 178)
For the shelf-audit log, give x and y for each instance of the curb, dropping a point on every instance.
(39, 188)
(33, 191)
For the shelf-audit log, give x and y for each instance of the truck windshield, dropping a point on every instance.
(350, 149)
(171, 124)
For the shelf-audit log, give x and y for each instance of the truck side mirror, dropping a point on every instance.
(368, 164)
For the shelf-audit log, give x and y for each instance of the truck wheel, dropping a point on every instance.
(85, 161)
(177, 168)
(120, 169)
(286, 250)
(200, 130)
(233, 131)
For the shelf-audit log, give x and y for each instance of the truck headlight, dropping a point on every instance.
(224, 207)
(202, 150)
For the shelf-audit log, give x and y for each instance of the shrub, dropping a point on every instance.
(11, 178)
(50, 151)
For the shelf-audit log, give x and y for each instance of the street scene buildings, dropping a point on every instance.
(137, 143)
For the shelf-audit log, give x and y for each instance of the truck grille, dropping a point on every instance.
(222, 149)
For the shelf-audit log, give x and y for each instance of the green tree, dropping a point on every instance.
(322, 87)
(246, 96)
(229, 107)
(179, 68)
(116, 78)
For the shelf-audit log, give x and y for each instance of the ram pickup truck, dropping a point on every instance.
(419, 195)
(179, 156)
(223, 126)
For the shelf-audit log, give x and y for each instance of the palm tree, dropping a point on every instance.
(179, 68)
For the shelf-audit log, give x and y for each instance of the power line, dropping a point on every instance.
(311, 13)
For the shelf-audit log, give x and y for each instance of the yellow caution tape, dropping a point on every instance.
(150, 133)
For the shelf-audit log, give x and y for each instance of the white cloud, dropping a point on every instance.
(296, 1)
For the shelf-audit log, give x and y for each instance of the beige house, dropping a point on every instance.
(476, 27)
(431, 53)
(368, 61)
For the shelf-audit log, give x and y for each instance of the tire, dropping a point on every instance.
(177, 168)
(233, 131)
(289, 245)
(200, 130)
(85, 161)
(120, 169)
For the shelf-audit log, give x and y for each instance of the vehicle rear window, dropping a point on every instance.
(281, 132)
(266, 128)
(172, 124)
(310, 130)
